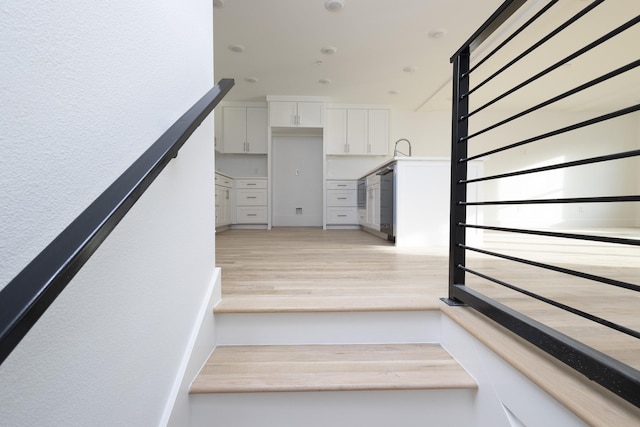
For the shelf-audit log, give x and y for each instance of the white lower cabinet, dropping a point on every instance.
(372, 219)
(224, 200)
(251, 201)
(342, 203)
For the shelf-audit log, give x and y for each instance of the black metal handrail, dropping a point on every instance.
(33, 290)
(607, 371)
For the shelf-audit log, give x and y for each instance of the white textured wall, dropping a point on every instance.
(86, 87)
(614, 178)
(637, 118)
(430, 135)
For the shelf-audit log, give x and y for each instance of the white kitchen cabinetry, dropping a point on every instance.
(357, 131)
(296, 114)
(378, 132)
(373, 202)
(251, 201)
(421, 201)
(342, 203)
(244, 130)
(336, 131)
(224, 200)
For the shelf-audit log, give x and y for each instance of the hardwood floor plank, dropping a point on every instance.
(330, 368)
(294, 269)
(308, 269)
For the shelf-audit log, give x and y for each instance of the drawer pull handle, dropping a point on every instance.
(342, 215)
(342, 185)
(251, 197)
(252, 214)
(251, 184)
(342, 198)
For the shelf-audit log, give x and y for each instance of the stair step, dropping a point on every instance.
(349, 367)
(305, 328)
(325, 303)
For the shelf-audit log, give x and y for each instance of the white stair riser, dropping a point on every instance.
(402, 408)
(328, 328)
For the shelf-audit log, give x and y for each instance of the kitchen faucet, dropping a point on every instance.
(395, 150)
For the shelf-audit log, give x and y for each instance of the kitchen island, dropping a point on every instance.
(407, 200)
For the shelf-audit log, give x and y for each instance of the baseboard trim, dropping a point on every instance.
(200, 345)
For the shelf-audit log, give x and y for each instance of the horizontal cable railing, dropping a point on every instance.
(517, 92)
(33, 290)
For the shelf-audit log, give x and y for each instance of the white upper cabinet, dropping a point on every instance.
(357, 131)
(296, 114)
(244, 130)
(336, 131)
(257, 130)
(378, 133)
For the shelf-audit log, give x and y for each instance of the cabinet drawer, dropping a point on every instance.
(224, 181)
(251, 214)
(251, 183)
(337, 215)
(341, 198)
(251, 197)
(341, 185)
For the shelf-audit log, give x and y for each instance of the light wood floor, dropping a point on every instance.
(292, 269)
(330, 368)
(307, 269)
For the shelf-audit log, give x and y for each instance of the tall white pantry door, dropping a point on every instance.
(297, 181)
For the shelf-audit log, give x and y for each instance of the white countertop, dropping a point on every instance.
(406, 159)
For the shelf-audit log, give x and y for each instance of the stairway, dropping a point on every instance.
(329, 367)
(321, 328)
(302, 341)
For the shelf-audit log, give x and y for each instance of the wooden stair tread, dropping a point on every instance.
(235, 369)
(306, 303)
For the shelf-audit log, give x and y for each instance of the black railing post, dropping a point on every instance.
(459, 132)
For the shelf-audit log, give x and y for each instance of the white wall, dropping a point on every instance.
(637, 119)
(86, 89)
(429, 132)
(242, 165)
(603, 179)
(430, 135)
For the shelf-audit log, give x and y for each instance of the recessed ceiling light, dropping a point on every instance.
(329, 50)
(324, 81)
(237, 48)
(410, 69)
(437, 34)
(394, 92)
(334, 5)
(218, 3)
(251, 79)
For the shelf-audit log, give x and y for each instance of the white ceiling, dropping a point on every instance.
(375, 40)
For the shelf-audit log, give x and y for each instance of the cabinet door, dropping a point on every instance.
(257, 130)
(376, 213)
(234, 129)
(370, 205)
(336, 131)
(357, 131)
(282, 114)
(226, 207)
(310, 115)
(378, 132)
(219, 205)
